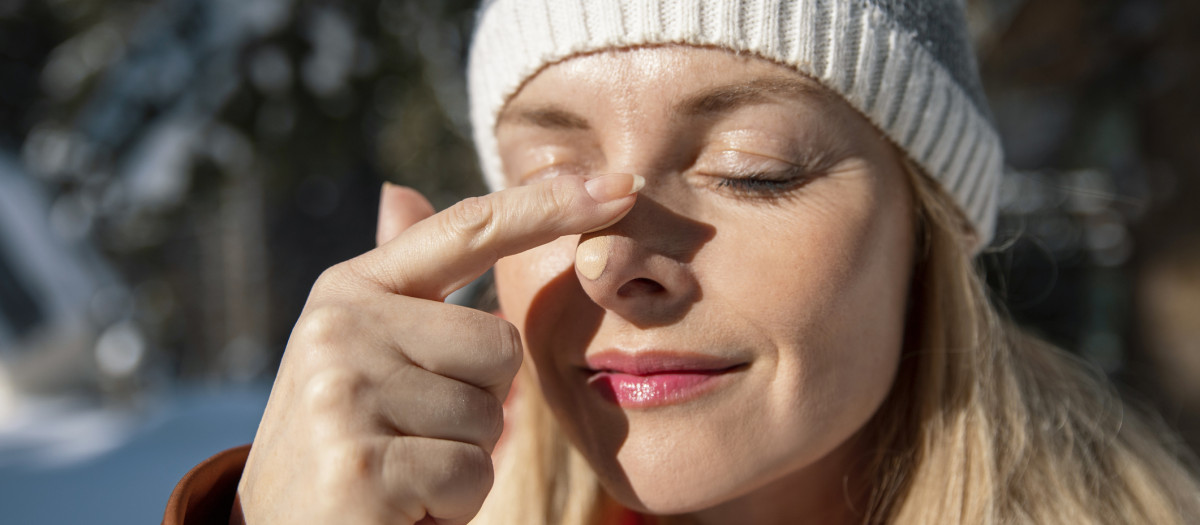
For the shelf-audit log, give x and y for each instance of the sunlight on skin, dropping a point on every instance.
(774, 232)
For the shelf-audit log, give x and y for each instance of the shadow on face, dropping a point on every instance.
(774, 237)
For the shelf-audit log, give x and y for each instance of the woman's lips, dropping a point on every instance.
(651, 379)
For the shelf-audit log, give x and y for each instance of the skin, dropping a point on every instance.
(387, 403)
(806, 282)
(386, 406)
(591, 256)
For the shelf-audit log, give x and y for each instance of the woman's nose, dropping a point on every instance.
(641, 268)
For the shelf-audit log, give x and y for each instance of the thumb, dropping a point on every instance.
(399, 208)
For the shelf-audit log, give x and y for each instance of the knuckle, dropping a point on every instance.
(560, 197)
(492, 416)
(346, 280)
(469, 477)
(324, 325)
(344, 465)
(332, 278)
(327, 277)
(334, 390)
(449, 479)
(508, 347)
(476, 470)
(471, 217)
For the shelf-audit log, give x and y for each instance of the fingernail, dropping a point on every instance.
(613, 186)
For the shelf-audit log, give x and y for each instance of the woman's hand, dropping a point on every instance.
(387, 403)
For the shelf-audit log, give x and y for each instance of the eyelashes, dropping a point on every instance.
(761, 183)
(730, 172)
(757, 177)
(765, 185)
(746, 174)
(768, 186)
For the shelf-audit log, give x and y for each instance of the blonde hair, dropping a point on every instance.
(985, 424)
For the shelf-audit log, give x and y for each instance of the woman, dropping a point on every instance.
(735, 250)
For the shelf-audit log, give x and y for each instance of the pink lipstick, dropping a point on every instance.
(651, 379)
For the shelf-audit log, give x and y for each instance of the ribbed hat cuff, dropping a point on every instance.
(851, 47)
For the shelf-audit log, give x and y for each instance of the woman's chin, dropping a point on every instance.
(666, 468)
(651, 478)
(664, 497)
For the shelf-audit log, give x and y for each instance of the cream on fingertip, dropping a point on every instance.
(591, 256)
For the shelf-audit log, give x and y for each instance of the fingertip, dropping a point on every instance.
(607, 197)
(414, 206)
(400, 207)
(613, 186)
(385, 227)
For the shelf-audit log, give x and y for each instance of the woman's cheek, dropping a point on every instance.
(508, 290)
(520, 277)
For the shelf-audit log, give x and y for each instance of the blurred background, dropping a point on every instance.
(174, 174)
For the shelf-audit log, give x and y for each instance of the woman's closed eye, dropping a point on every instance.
(752, 175)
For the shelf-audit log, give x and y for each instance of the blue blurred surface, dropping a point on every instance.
(64, 464)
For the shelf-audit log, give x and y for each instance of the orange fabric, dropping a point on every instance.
(205, 495)
(629, 517)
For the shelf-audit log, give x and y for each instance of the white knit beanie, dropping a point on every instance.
(907, 65)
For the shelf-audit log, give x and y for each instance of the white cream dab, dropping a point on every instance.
(591, 256)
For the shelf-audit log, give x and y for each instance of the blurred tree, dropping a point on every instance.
(1097, 104)
(224, 152)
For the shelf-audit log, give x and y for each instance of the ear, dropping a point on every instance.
(399, 208)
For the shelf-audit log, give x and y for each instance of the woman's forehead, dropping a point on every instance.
(684, 81)
(649, 65)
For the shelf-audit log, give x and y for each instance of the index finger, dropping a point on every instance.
(450, 249)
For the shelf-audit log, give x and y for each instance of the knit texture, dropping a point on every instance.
(906, 65)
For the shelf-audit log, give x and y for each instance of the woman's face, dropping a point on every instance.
(735, 329)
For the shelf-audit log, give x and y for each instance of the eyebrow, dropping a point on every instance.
(712, 102)
(549, 117)
(723, 99)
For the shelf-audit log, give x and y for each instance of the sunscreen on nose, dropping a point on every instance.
(591, 256)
